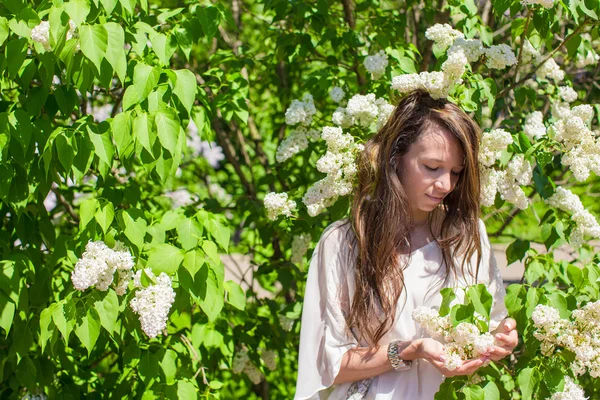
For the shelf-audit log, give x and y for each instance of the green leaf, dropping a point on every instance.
(167, 126)
(66, 153)
(87, 210)
(575, 275)
(105, 215)
(210, 248)
(135, 227)
(446, 391)
(122, 127)
(26, 372)
(185, 88)
(218, 232)
(481, 299)
(447, 297)
(4, 30)
(46, 325)
(209, 20)
(193, 261)
(78, 10)
(211, 296)
(473, 392)
(145, 79)
(94, 42)
(109, 5)
(144, 132)
(16, 53)
(108, 310)
(164, 46)
(64, 319)
(189, 232)
(148, 367)
(115, 52)
(7, 312)
(490, 391)
(528, 379)
(235, 295)
(186, 390)
(169, 366)
(165, 258)
(89, 329)
(517, 250)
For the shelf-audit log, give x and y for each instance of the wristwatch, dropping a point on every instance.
(393, 354)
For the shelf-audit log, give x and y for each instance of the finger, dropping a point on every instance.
(509, 325)
(507, 340)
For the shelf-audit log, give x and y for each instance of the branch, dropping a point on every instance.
(66, 204)
(522, 43)
(529, 75)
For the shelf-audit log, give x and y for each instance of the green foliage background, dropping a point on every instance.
(232, 68)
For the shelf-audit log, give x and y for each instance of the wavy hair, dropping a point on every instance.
(381, 216)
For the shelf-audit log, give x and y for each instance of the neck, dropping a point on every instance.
(420, 218)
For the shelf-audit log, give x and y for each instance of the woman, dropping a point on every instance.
(414, 229)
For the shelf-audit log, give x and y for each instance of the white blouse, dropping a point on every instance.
(329, 290)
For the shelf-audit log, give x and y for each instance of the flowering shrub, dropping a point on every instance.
(139, 144)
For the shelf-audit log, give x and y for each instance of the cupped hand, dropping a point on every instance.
(507, 338)
(433, 351)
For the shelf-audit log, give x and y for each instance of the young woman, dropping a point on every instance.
(414, 229)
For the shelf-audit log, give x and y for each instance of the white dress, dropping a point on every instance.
(329, 290)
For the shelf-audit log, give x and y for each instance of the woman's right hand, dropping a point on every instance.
(433, 351)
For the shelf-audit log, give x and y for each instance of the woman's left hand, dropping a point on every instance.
(507, 338)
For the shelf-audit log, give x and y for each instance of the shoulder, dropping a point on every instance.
(339, 232)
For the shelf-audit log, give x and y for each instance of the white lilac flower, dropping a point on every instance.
(292, 145)
(529, 53)
(98, 264)
(253, 373)
(300, 245)
(376, 64)
(339, 165)
(363, 109)
(437, 83)
(443, 35)
(492, 144)
(454, 67)
(544, 3)
(269, 357)
(341, 118)
(286, 323)
(180, 197)
(590, 58)
(550, 69)
(571, 391)
(337, 94)
(41, 34)
(153, 303)
(586, 223)
(500, 56)
(490, 182)
(301, 112)
(560, 110)
(461, 343)
(72, 32)
(545, 315)
(407, 83)
(472, 48)
(534, 126)
(239, 361)
(278, 204)
(567, 93)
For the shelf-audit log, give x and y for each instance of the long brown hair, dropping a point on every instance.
(381, 215)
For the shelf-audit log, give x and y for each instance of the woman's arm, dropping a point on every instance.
(363, 362)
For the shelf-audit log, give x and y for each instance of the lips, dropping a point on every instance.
(438, 199)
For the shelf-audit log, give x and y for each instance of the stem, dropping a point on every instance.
(522, 43)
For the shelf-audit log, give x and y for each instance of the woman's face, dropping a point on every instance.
(430, 169)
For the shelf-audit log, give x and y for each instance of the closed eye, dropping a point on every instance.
(431, 169)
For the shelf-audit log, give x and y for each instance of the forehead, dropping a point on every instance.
(437, 143)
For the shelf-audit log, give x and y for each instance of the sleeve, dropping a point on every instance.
(493, 279)
(323, 336)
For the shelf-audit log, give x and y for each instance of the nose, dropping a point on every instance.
(444, 183)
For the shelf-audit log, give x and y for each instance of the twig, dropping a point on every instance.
(523, 35)
(66, 204)
(529, 75)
